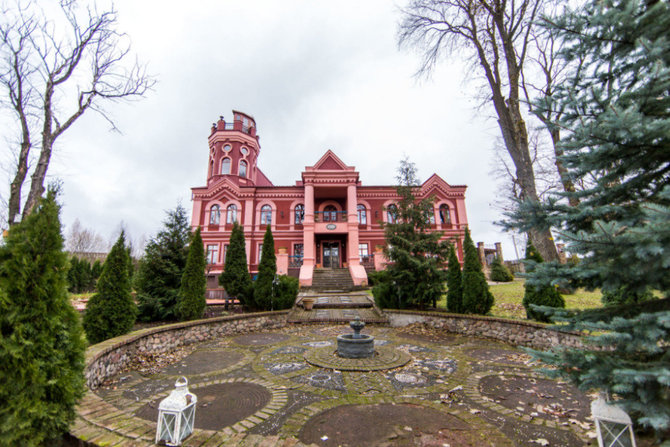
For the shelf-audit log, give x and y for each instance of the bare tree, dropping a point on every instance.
(495, 35)
(83, 240)
(52, 71)
(549, 72)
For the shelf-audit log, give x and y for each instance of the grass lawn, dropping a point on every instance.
(508, 297)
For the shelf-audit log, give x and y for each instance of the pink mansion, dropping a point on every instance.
(328, 219)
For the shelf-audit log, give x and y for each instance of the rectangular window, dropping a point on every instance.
(213, 254)
(260, 252)
(298, 250)
(363, 251)
(225, 252)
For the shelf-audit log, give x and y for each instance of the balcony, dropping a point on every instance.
(330, 216)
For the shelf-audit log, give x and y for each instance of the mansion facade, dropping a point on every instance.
(328, 219)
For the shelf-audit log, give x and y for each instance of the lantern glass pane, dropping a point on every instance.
(168, 421)
(187, 421)
(615, 435)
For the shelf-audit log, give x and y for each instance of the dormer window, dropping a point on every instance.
(243, 168)
(225, 166)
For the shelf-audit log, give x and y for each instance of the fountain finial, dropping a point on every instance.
(356, 324)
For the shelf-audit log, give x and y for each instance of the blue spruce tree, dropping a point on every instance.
(617, 116)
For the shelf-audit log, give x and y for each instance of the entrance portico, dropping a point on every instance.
(330, 234)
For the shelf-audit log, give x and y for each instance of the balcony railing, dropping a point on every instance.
(295, 261)
(330, 216)
(238, 126)
(368, 261)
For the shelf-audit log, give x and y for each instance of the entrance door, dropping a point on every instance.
(331, 254)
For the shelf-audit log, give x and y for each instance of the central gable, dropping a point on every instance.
(331, 162)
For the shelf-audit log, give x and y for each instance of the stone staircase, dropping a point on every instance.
(336, 307)
(325, 280)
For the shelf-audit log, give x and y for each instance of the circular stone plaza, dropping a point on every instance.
(435, 380)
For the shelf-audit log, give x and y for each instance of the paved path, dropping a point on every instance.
(259, 389)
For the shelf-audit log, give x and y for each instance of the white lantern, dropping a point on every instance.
(613, 425)
(176, 415)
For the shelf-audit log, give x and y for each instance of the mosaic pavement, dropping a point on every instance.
(263, 389)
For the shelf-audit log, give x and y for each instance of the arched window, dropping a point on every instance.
(214, 215)
(330, 214)
(431, 216)
(392, 214)
(299, 214)
(445, 216)
(266, 215)
(231, 213)
(225, 166)
(243, 168)
(211, 168)
(362, 214)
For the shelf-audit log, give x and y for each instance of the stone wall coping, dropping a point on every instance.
(94, 352)
(442, 314)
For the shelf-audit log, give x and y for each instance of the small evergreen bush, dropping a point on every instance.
(386, 293)
(538, 295)
(500, 272)
(454, 283)
(41, 342)
(267, 269)
(192, 302)
(626, 296)
(286, 293)
(477, 299)
(111, 311)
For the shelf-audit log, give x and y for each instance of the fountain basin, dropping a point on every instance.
(355, 346)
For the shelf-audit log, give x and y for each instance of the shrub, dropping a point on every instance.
(42, 345)
(111, 311)
(286, 293)
(386, 293)
(477, 299)
(538, 295)
(541, 296)
(454, 283)
(192, 302)
(500, 272)
(625, 296)
(267, 269)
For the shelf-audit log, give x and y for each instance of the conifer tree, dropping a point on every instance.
(416, 273)
(41, 342)
(235, 276)
(617, 114)
(159, 275)
(500, 272)
(267, 269)
(111, 311)
(477, 298)
(454, 283)
(538, 295)
(192, 301)
(73, 275)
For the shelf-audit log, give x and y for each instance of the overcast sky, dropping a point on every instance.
(314, 75)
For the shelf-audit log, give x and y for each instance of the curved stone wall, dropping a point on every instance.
(111, 356)
(522, 333)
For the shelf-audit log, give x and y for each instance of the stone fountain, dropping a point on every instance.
(356, 345)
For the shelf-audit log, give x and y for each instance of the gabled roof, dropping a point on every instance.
(262, 179)
(331, 162)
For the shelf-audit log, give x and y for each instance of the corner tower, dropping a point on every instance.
(233, 150)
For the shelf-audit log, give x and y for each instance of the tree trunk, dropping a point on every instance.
(514, 133)
(14, 205)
